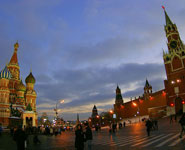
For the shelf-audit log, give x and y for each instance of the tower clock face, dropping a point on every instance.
(173, 44)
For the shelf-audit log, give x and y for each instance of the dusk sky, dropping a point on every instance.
(79, 50)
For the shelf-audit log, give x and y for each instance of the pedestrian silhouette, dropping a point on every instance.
(79, 139)
(182, 122)
(20, 138)
(88, 136)
(148, 126)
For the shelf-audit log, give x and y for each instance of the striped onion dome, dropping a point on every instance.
(5, 73)
(30, 78)
(21, 87)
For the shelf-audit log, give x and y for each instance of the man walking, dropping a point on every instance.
(182, 122)
(148, 126)
(20, 138)
(89, 137)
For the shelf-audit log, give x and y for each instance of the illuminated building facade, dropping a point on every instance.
(16, 99)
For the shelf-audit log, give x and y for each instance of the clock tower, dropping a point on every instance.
(174, 61)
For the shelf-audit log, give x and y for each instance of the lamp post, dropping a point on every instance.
(56, 109)
(138, 110)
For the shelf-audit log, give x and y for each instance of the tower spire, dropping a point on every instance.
(168, 20)
(77, 121)
(14, 59)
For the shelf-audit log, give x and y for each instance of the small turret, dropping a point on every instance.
(30, 81)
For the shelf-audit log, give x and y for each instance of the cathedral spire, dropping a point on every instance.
(14, 59)
(168, 20)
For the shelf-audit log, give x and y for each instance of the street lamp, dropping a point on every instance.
(56, 109)
(138, 110)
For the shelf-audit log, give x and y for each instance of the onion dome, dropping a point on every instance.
(5, 73)
(21, 87)
(30, 78)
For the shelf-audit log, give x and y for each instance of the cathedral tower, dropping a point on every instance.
(30, 94)
(13, 67)
(174, 61)
(5, 77)
(20, 100)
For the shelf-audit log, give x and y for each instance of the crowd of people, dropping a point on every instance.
(83, 133)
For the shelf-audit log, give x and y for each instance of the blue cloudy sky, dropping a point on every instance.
(80, 50)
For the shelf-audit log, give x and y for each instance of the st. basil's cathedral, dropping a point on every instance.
(17, 101)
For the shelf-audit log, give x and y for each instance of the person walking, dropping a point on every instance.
(20, 138)
(88, 136)
(36, 139)
(1, 129)
(182, 122)
(148, 126)
(79, 139)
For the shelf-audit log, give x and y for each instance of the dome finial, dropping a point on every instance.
(31, 69)
(16, 45)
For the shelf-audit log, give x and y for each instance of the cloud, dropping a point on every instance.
(80, 50)
(91, 86)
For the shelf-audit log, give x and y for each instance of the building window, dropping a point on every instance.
(176, 90)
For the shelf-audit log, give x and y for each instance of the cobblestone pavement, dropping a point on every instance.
(132, 137)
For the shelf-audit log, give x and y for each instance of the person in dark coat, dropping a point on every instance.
(148, 126)
(1, 130)
(20, 138)
(182, 122)
(88, 136)
(79, 139)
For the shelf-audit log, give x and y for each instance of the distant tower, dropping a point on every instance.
(30, 94)
(77, 119)
(94, 112)
(119, 99)
(147, 90)
(174, 61)
(119, 105)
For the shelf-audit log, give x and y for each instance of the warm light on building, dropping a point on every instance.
(172, 104)
(163, 93)
(111, 111)
(151, 98)
(178, 80)
(172, 82)
(134, 104)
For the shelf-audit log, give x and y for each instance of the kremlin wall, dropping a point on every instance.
(165, 102)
